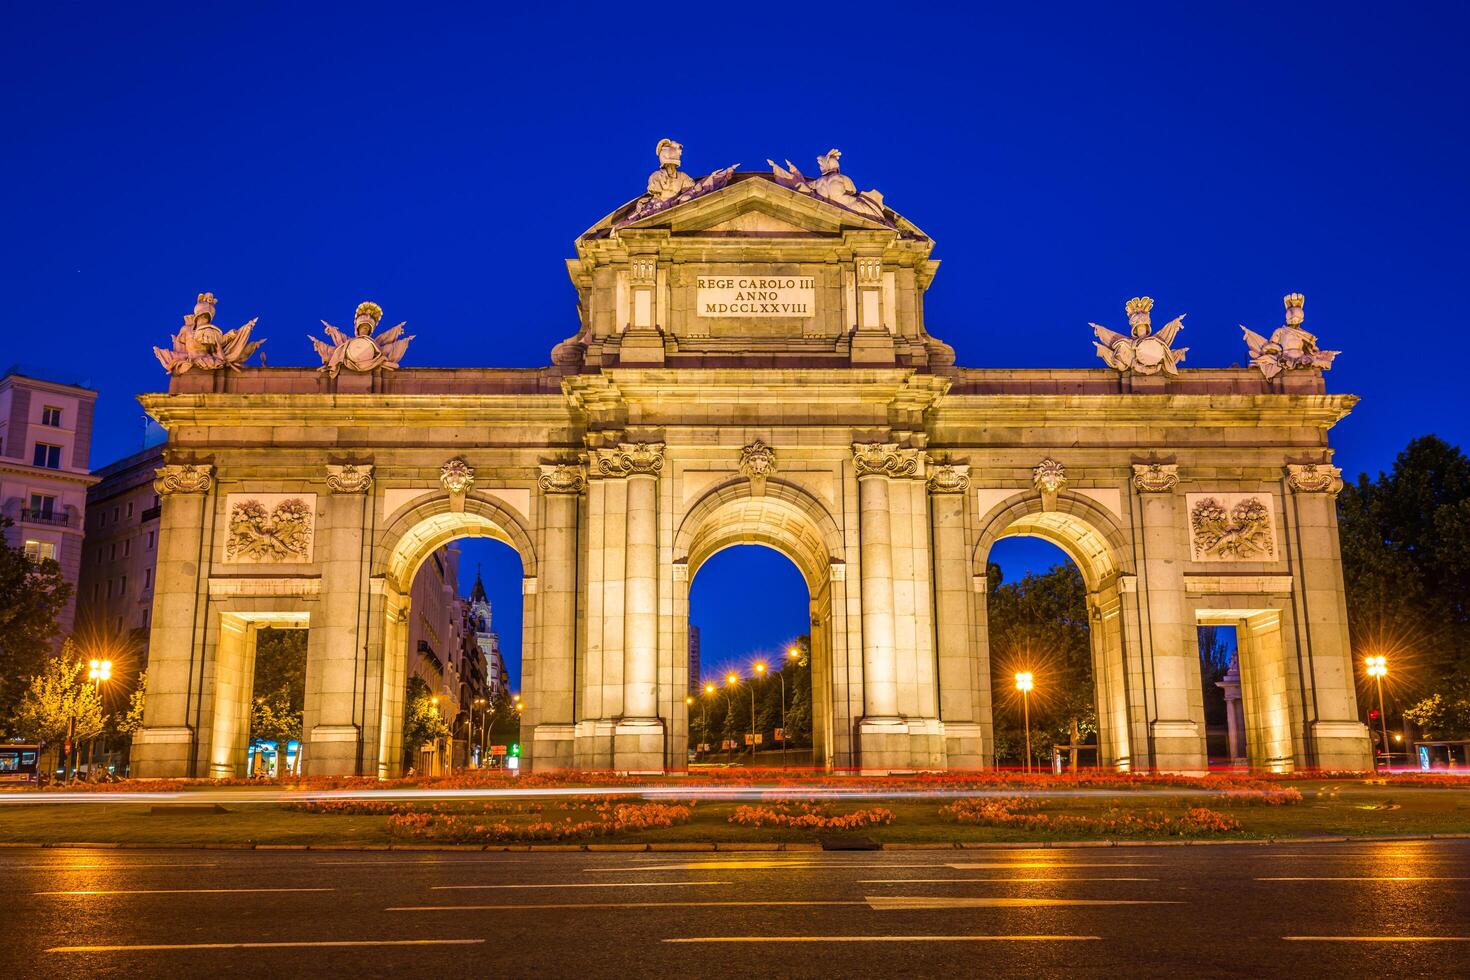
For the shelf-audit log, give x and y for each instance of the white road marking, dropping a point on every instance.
(186, 891)
(585, 884)
(1377, 939)
(1371, 878)
(993, 881)
(878, 939)
(907, 903)
(280, 945)
(97, 867)
(1044, 865)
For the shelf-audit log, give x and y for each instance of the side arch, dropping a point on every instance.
(413, 534)
(785, 517)
(1077, 525)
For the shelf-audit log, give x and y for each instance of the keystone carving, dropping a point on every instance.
(349, 477)
(1313, 478)
(758, 461)
(631, 458)
(1155, 477)
(949, 477)
(183, 478)
(457, 476)
(1049, 478)
(562, 478)
(884, 459)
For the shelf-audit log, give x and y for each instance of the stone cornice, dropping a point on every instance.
(1170, 411)
(356, 411)
(40, 474)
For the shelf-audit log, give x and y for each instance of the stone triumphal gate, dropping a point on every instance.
(752, 367)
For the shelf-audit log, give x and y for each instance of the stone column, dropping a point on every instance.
(1234, 714)
(166, 747)
(948, 485)
(335, 684)
(638, 739)
(1338, 739)
(883, 734)
(1176, 730)
(556, 670)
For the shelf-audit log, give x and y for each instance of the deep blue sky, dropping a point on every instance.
(441, 160)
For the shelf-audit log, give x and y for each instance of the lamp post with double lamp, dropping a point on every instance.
(1024, 684)
(732, 679)
(470, 756)
(760, 669)
(1377, 668)
(709, 690)
(792, 656)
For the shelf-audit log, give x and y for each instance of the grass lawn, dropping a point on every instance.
(1327, 809)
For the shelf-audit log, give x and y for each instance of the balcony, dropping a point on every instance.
(53, 517)
(151, 514)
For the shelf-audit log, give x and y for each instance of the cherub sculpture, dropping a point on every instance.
(833, 185)
(1142, 351)
(1290, 347)
(362, 351)
(200, 344)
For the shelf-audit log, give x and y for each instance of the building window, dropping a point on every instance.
(122, 586)
(112, 551)
(130, 508)
(51, 415)
(109, 588)
(43, 505)
(95, 590)
(115, 512)
(150, 540)
(127, 547)
(41, 549)
(147, 579)
(47, 455)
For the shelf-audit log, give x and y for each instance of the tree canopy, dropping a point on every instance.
(33, 592)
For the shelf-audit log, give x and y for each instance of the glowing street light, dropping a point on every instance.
(99, 671)
(1377, 668)
(1024, 683)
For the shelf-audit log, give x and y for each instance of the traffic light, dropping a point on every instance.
(1373, 714)
(515, 749)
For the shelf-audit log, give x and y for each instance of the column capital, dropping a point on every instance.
(183, 478)
(1155, 477)
(1314, 478)
(948, 477)
(349, 478)
(629, 459)
(886, 459)
(564, 478)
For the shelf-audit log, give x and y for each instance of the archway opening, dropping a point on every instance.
(278, 702)
(1041, 655)
(1219, 667)
(454, 638)
(750, 698)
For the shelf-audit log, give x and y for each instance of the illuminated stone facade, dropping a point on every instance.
(753, 367)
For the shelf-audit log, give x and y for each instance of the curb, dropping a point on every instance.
(731, 847)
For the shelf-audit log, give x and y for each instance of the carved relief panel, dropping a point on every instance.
(1231, 527)
(269, 528)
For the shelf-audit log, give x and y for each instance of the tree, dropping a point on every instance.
(1040, 624)
(422, 721)
(132, 720)
(1406, 564)
(33, 593)
(1442, 717)
(274, 718)
(59, 700)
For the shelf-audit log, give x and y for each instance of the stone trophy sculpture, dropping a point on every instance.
(833, 185)
(362, 351)
(669, 186)
(1141, 351)
(200, 344)
(1290, 348)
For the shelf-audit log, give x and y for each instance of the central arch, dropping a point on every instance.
(410, 538)
(789, 520)
(1091, 537)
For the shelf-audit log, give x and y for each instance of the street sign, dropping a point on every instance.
(497, 750)
(780, 735)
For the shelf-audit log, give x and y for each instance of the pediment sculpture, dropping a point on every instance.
(669, 186)
(833, 185)
(200, 344)
(1290, 348)
(1141, 350)
(362, 351)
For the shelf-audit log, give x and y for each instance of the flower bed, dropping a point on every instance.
(809, 816)
(1026, 814)
(605, 819)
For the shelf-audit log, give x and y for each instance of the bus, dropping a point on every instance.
(20, 763)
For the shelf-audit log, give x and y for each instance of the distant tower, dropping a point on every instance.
(485, 637)
(693, 659)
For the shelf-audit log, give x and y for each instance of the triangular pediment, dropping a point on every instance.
(758, 204)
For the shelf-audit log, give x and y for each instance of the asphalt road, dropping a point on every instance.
(1342, 910)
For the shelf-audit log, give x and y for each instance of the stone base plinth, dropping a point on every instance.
(161, 753)
(638, 746)
(883, 745)
(594, 744)
(963, 747)
(1179, 747)
(550, 747)
(331, 750)
(1342, 745)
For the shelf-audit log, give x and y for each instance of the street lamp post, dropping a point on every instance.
(1377, 667)
(731, 680)
(792, 656)
(709, 690)
(1024, 683)
(97, 672)
(760, 670)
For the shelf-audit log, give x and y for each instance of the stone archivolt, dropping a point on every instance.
(885, 459)
(349, 477)
(631, 459)
(183, 478)
(1155, 477)
(562, 478)
(1314, 478)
